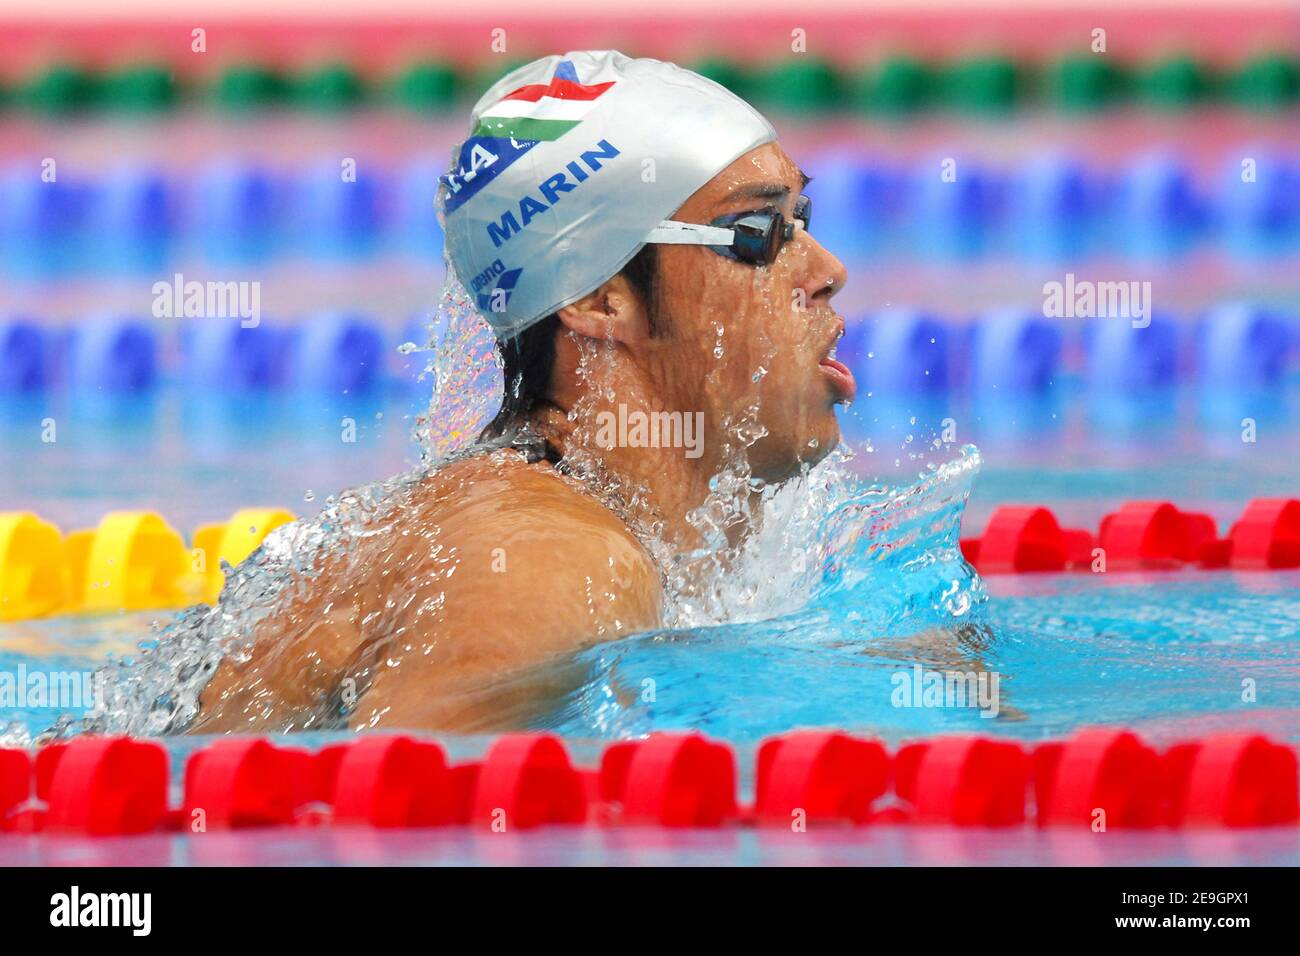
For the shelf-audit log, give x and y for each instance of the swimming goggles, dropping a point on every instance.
(754, 237)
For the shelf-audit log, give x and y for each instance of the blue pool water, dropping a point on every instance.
(835, 644)
(1170, 655)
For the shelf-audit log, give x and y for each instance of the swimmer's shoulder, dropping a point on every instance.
(498, 507)
(504, 483)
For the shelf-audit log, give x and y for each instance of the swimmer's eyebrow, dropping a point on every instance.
(766, 190)
(759, 191)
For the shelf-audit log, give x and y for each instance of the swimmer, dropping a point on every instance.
(639, 243)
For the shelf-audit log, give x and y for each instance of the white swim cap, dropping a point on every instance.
(571, 161)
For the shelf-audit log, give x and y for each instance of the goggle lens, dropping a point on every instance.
(759, 235)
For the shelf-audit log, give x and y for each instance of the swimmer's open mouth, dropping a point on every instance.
(839, 374)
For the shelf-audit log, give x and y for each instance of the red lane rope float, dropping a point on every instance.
(390, 782)
(526, 780)
(15, 780)
(672, 780)
(1153, 534)
(964, 781)
(99, 786)
(247, 783)
(47, 759)
(829, 777)
(1026, 538)
(1100, 777)
(1231, 780)
(1141, 535)
(104, 786)
(1267, 535)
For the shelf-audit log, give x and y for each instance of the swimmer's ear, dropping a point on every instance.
(612, 313)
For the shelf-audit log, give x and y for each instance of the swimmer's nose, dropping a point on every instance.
(824, 274)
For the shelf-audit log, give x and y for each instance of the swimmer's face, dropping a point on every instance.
(739, 336)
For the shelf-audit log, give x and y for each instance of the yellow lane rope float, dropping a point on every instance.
(133, 561)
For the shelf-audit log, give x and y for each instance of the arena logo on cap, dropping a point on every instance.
(496, 297)
(520, 120)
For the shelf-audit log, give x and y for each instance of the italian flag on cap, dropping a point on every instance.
(542, 111)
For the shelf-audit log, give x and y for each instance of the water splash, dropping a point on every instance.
(836, 569)
(827, 537)
(465, 370)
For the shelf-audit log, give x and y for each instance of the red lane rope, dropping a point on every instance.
(1140, 536)
(1102, 778)
(1221, 32)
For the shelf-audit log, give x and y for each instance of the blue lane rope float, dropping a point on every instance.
(113, 355)
(1229, 347)
(1014, 352)
(238, 213)
(1122, 357)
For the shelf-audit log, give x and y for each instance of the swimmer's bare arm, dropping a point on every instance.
(518, 570)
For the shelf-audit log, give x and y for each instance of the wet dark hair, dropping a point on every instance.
(528, 358)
